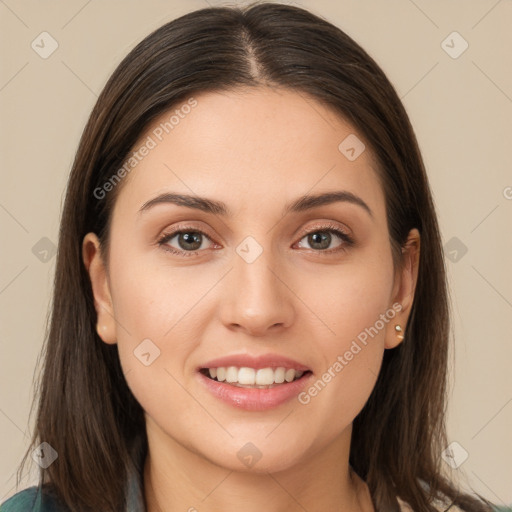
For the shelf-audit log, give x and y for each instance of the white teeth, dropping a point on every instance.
(279, 375)
(289, 375)
(250, 377)
(221, 374)
(231, 374)
(247, 376)
(265, 377)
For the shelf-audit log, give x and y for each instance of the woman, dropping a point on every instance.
(294, 356)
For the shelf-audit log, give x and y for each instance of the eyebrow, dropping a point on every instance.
(304, 203)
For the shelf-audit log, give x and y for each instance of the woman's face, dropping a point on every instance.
(267, 278)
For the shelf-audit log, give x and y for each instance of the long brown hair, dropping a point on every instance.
(86, 411)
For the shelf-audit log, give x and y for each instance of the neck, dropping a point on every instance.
(177, 479)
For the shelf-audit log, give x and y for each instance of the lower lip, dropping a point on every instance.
(254, 399)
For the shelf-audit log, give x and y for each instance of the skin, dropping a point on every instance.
(294, 300)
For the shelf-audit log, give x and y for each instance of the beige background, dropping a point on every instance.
(461, 109)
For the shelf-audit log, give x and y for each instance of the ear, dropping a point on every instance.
(403, 290)
(93, 260)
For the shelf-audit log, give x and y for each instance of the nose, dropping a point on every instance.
(257, 299)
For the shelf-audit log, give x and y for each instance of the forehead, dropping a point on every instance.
(250, 148)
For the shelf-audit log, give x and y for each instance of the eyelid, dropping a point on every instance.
(324, 226)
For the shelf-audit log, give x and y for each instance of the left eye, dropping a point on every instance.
(323, 238)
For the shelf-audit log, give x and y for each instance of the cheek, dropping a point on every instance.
(348, 298)
(151, 299)
(161, 315)
(158, 327)
(353, 310)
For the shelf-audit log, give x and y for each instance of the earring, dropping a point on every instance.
(399, 332)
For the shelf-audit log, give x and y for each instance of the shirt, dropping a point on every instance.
(35, 499)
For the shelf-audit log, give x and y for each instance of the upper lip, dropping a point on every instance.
(256, 362)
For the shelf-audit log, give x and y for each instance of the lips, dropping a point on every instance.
(256, 362)
(252, 398)
(244, 367)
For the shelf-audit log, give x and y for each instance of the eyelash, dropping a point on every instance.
(330, 228)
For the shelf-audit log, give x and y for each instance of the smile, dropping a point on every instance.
(254, 397)
(262, 378)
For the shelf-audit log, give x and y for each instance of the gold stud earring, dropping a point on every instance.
(399, 332)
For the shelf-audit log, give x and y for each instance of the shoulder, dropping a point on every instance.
(33, 499)
(23, 500)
